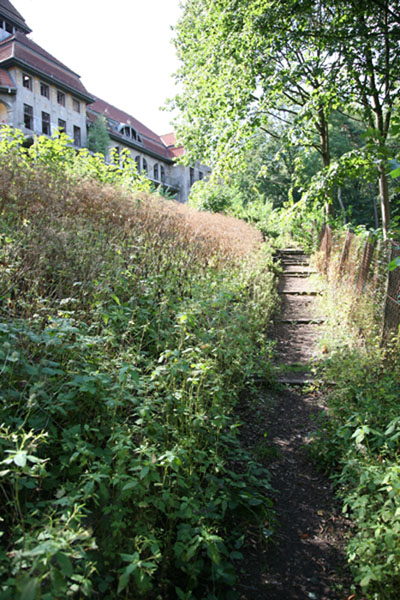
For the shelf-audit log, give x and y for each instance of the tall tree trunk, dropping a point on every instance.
(326, 158)
(384, 198)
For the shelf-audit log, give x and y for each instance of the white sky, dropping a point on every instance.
(121, 49)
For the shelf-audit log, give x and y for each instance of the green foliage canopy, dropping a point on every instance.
(240, 72)
(250, 65)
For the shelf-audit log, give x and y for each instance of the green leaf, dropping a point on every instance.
(116, 299)
(144, 472)
(65, 564)
(124, 579)
(394, 263)
(130, 485)
(395, 173)
(30, 590)
(20, 458)
(365, 580)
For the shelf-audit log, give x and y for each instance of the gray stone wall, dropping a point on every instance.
(49, 105)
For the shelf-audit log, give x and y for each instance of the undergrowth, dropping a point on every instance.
(128, 327)
(359, 444)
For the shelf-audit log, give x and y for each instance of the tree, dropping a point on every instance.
(367, 38)
(98, 138)
(252, 64)
(246, 66)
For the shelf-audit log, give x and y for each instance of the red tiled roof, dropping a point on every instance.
(5, 79)
(103, 107)
(151, 141)
(170, 141)
(175, 152)
(29, 43)
(22, 48)
(5, 51)
(9, 11)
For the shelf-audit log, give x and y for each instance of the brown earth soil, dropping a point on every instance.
(306, 558)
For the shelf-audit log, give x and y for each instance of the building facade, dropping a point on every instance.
(39, 95)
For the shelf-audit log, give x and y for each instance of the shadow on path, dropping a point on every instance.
(306, 558)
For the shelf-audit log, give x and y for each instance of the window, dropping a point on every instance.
(46, 123)
(28, 116)
(61, 98)
(145, 167)
(9, 28)
(62, 125)
(201, 175)
(137, 160)
(162, 174)
(155, 170)
(77, 135)
(44, 90)
(128, 131)
(76, 105)
(191, 175)
(27, 81)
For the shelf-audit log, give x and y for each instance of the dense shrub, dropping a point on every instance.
(129, 324)
(360, 442)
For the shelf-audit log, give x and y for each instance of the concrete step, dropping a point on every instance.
(294, 263)
(294, 379)
(302, 321)
(304, 270)
(293, 293)
(296, 251)
(299, 274)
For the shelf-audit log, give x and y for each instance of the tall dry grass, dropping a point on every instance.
(37, 193)
(70, 228)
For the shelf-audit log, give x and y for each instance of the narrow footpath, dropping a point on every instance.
(306, 560)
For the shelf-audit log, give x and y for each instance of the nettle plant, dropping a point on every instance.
(127, 333)
(359, 445)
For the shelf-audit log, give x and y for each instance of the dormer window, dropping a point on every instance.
(130, 132)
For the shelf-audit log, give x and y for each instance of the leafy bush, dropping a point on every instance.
(129, 327)
(211, 196)
(360, 442)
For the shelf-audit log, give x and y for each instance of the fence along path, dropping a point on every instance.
(365, 265)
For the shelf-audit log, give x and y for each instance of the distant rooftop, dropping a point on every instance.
(9, 12)
(18, 48)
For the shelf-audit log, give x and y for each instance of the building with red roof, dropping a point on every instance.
(39, 94)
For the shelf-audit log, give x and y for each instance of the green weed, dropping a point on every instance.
(129, 326)
(360, 442)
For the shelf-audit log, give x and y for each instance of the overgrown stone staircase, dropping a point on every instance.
(296, 327)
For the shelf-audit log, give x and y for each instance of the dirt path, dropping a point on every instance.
(307, 559)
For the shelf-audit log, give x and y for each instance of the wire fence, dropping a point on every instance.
(364, 264)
